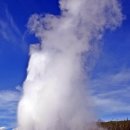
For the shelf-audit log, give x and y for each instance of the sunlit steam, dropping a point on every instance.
(55, 93)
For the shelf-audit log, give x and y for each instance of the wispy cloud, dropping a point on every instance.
(8, 107)
(10, 34)
(9, 31)
(112, 81)
(111, 92)
(2, 128)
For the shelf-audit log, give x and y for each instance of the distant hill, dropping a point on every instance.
(116, 125)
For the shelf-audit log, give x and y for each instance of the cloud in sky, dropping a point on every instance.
(13, 50)
(116, 80)
(111, 92)
(3, 128)
(8, 105)
(12, 45)
(10, 32)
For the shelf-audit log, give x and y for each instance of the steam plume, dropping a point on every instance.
(55, 90)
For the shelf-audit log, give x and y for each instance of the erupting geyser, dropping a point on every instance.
(55, 93)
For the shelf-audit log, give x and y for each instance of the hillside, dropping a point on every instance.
(116, 125)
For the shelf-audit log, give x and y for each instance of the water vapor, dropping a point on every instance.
(55, 93)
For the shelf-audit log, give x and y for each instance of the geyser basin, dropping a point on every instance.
(55, 90)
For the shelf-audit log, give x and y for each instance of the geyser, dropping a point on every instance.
(55, 95)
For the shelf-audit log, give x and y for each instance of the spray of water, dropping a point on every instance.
(55, 93)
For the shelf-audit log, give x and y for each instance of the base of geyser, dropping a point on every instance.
(93, 125)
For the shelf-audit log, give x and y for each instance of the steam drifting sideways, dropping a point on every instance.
(55, 93)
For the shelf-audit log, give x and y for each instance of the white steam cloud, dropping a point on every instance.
(55, 91)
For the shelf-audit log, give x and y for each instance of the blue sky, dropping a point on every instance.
(110, 78)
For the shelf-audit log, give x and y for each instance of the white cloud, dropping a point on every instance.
(7, 97)
(111, 92)
(110, 105)
(3, 128)
(113, 81)
(9, 31)
(8, 107)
